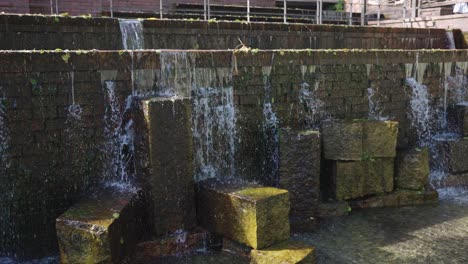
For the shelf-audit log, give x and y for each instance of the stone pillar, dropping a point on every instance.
(170, 155)
(299, 173)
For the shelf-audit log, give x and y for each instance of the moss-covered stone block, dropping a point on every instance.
(287, 252)
(456, 155)
(246, 213)
(354, 179)
(170, 155)
(102, 228)
(398, 198)
(299, 173)
(358, 139)
(412, 168)
(380, 138)
(342, 140)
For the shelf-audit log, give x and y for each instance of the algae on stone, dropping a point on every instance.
(354, 179)
(99, 229)
(358, 139)
(247, 213)
(412, 169)
(287, 252)
(380, 138)
(342, 140)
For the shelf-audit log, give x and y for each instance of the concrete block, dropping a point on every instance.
(102, 228)
(412, 169)
(170, 148)
(246, 213)
(354, 179)
(287, 252)
(299, 173)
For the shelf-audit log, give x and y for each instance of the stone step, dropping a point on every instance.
(398, 198)
(246, 213)
(102, 228)
(285, 252)
(180, 243)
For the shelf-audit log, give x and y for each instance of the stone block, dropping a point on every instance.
(451, 154)
(358, 139)
(246, 213)
(102, 228)
(287, 252)
(333, 208)
(398, 198)
(170, 153)
(181, 242)
(380, 139)
(459, 116)
(354, 179)
(299, 173)
(342, 140)
(412, 169)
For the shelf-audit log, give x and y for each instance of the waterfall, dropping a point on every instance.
(270, 132)
(132, 34)
(450, 39)
(313, 106)
(177, 74)
(4, 133)
(420, 111)
(119, 166)
(214, 132)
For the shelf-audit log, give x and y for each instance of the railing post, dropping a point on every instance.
(363, 12)
(351, 13)
(378, 14)
(204, 10)
(284, 14)
(111, 8)
(404, 16)
(209, 9)
(413, 9)
(56, 7)
(160, 9)
(51, 8)
(248, 10)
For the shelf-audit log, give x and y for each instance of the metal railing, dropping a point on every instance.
(247, 12)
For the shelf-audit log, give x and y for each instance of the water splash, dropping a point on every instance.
(4, 132)
(119, 163)
(132, 34)
(214, 132)
(420, 114)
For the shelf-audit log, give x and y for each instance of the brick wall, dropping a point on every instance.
(39, 32)
(53, 159)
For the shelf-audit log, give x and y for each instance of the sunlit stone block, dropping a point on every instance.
(287, 252)
(102, 228)
(250, 214)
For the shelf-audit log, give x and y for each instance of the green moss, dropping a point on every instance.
(65, 57)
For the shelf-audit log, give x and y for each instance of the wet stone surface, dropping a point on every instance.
(422, 234)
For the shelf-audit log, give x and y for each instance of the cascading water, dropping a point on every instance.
(420, 114)
(450, 39)
(119, 162)
(312, 105)
(177, 75)
(132, 34)
(375, 111)
(214, 132)
(270, 132)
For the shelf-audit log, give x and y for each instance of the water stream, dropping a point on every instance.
(119, 163)
(132, 34)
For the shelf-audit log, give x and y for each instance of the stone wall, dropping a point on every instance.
(42, 32)
(54, 155)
